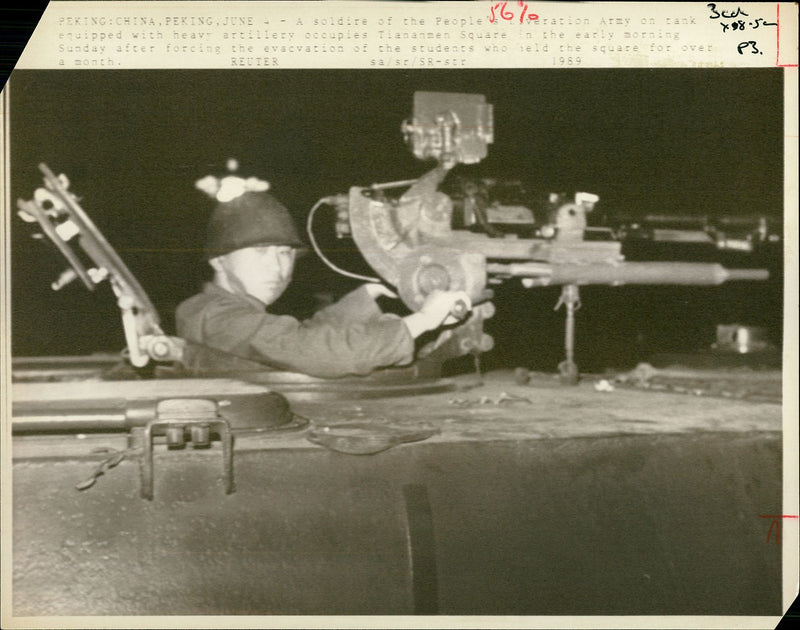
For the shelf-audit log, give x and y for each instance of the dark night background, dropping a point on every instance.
(705, 142)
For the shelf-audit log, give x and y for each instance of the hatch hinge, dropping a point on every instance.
(183, 422)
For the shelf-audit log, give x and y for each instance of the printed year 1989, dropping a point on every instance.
(566, 61)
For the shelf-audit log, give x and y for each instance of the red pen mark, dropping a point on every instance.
(778, 43)
(507, 14)
(776, 525)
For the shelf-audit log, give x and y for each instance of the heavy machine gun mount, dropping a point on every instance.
(418, 240)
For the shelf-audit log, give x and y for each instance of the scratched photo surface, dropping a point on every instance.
(647, 141)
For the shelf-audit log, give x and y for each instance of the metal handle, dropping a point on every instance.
(459, 310)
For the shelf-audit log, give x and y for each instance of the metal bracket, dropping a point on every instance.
(67, 225)
(177, 420)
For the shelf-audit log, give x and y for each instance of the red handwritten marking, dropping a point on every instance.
(778, 45)
(776, 524)
(508, 15)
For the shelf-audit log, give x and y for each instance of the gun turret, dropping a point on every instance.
(410, 235)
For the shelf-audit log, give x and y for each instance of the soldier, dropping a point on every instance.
(252, 245)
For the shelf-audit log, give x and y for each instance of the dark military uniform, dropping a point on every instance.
(351, 336)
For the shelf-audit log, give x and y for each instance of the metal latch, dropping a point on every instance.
(185, 421)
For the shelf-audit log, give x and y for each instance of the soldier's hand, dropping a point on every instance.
(439, 308)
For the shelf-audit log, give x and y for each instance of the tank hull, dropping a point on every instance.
(649, 522)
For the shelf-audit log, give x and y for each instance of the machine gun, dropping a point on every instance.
(745, 234)
(420, 239)
(66, 224)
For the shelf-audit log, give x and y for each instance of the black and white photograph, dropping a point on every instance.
(425, 344)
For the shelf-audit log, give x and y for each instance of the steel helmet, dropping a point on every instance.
(252, 218)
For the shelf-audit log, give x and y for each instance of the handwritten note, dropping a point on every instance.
(503, 12)
(776, 525)
(736, 21)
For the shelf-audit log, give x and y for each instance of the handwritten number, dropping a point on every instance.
(751, 44)
(508, 14)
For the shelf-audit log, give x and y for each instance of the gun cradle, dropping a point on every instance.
(410, 240)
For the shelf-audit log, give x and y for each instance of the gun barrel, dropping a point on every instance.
(748, 274)
(675, 273)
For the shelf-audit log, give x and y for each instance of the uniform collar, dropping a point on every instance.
(215, 290)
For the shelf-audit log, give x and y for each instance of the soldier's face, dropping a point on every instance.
(262, 272)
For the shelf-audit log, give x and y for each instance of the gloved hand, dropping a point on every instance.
(440, 308)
